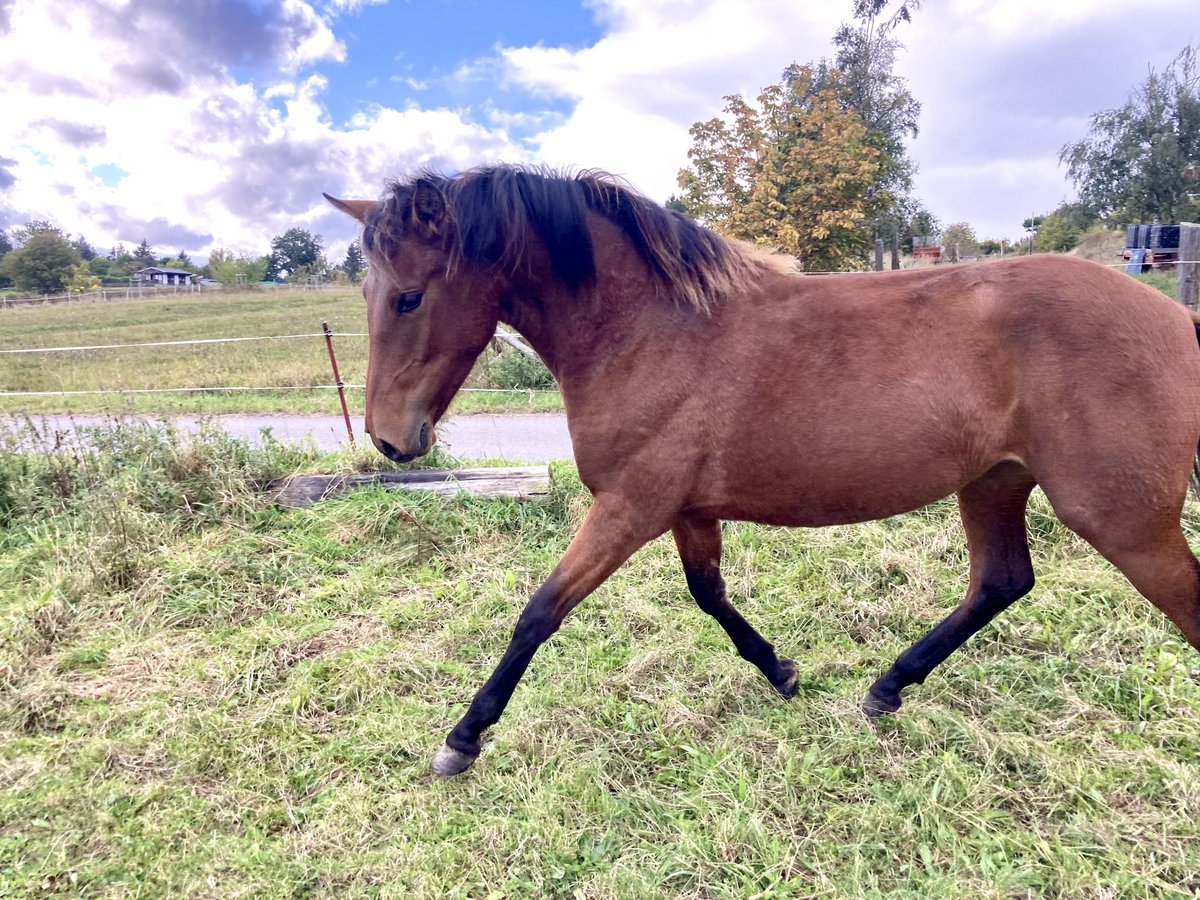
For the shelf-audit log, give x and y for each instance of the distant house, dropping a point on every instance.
(159, 275)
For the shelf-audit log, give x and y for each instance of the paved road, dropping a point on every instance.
(518, 438)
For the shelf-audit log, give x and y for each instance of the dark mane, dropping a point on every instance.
(499, 212)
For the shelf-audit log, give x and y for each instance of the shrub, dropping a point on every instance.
(513, 369)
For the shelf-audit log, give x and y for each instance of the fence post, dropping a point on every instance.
(1188, 292)
(337, 378)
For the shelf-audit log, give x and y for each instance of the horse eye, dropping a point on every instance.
(408, 301)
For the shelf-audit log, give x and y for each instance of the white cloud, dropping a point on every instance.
(1002, 86)
(661, 67)
(211, 161)
(214, 159)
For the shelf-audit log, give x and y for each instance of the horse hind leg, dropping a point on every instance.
(993, 514)
(1133, 520)
(1157, 560)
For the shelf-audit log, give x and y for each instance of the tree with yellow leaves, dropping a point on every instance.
(791, 172)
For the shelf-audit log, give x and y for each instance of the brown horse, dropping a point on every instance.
(703, 380)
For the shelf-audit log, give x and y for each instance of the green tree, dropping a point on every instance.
(871, 10)
(293, 250)
(791, 172)
(81, 279)
(85, 250)
(920, 225)
(1060, 230)
(22, 233)
(226, 267)
(144, 255)
(958, 242)
(5, 246)
(354, 264)
(1141, 161)
(862, 72)
(674, 203)
(44, 262)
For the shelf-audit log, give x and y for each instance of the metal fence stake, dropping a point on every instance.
(337, 379)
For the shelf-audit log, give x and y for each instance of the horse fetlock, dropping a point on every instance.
(448, 762)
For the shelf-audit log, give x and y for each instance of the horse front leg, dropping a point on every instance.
(699, 543)
(612, 531)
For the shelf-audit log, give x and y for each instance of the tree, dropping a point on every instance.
(354, 264)
(44, 262)
(81, 279)
(85, 250)
(870, 10)
(862, 73)
(674, 203)
(5, 246)
(144, 255)
(23, 233)
(1059, 231)
(959, 241)
(296, 248)
(1142, 160)
(921, 225)
(791, 172)
(232, 270)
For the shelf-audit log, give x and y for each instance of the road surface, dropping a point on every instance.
(520, 438)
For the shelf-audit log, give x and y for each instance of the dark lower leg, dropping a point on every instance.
(993, 514)
(915, 663)
(608, 536)
(534, 627)
(699, 543)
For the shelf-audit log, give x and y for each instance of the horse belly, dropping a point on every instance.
(806, 496)
(825, 466)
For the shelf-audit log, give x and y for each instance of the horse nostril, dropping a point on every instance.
(388, 450)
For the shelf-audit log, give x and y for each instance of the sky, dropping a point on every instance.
(195, 124)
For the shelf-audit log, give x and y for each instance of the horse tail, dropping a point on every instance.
(1196, 458)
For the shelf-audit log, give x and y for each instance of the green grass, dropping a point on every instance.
(299, 367)
(202, 695)
(1166, 281)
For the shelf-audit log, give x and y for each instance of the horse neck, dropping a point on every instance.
(576, 332)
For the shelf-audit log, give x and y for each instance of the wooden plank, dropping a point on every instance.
(522, 482)
(1189, 265)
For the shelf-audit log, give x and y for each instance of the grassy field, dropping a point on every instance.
(299, 368)
(202, 695)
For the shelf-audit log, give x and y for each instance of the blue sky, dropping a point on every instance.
(411, 53)
(219, 124)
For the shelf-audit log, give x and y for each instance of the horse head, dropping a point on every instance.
(427, 319)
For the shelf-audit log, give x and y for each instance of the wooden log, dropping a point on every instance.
(523, 482)
(1189, 265)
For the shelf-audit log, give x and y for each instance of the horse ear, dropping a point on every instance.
(357, 209)
(429, 207)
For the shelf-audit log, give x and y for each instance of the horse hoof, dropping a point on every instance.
(448, 762)
(787, 687)
(875, 705)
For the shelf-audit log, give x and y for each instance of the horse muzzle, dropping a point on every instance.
(419, 442)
